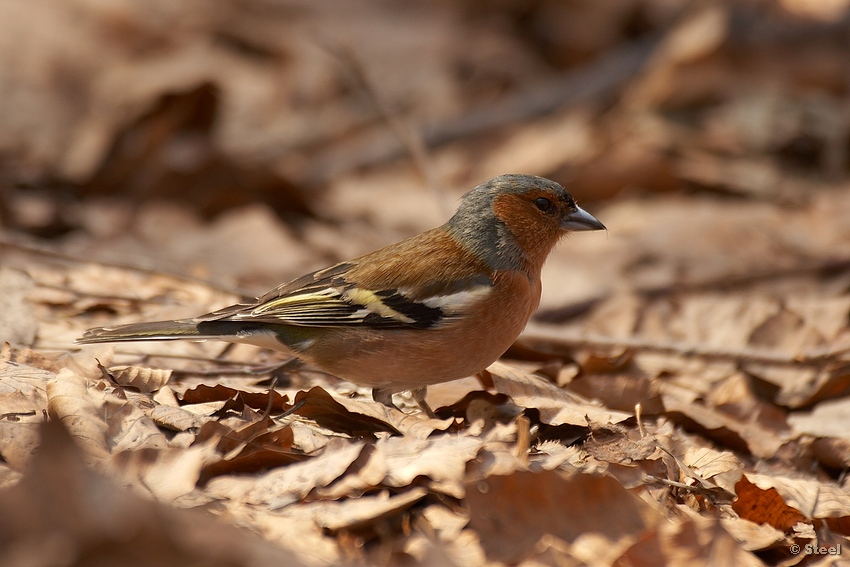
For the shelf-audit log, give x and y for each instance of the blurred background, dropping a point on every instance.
(159, 158)
(246, 141)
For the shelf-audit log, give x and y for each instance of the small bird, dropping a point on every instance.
(435, 307)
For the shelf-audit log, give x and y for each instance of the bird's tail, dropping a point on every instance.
(276, 337)
(154, 331)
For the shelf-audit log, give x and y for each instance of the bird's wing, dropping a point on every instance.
(326, 298)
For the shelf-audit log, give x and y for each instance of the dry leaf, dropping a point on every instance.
(358, 513)
(813, 499)
(511, 513)
(752, 536)
(258, 447)
(366, 472)
(130, 429)
(697, 541)
(256, 400)
(176, 419)
(165, 474)
(443, 457)
(69, 401)
(556, 406)
(764, 506)
(827, 419)
(620, 391)
(107, 524)
(722, 468)
(145, 379)
(317, 404)
(23, 389)
(281, 487)
(731, 431)
(19, 440)
(18, 324)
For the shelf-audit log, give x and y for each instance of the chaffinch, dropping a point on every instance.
(432, 308)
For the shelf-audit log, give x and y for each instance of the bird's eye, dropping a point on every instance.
(543, 203)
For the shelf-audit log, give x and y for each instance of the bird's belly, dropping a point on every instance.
(402, 359)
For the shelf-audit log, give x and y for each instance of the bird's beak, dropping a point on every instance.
(581, 220)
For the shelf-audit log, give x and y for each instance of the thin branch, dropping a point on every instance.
(403, 130)
(593, 81)
(713, 494)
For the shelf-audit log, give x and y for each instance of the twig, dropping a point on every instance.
(593, 81)
(639, 419)
(403, 130)
(714, 495)
(295, 407)
(558, 337)
(270, 404)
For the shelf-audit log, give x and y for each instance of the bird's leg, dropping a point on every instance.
(419, 396)
(385, 397)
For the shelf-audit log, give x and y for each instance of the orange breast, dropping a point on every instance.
(401, 359)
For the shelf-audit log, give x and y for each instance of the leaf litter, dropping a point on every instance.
(679, 399)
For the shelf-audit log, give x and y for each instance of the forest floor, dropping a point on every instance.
(681, 398)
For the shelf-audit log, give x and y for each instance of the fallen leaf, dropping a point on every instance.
(556, 406)
(729, 430)
(703, 542)
(130, 429)
(19, 440)
(23, 389)
(812, 498)
(442, 457)
(752, 536)
(764, 506)
(256, 400)
(511, 513)
(317, 404)
(828, 419)
(254, 451)
(175, 419)
(366, 472)
(165, 474)
(18, 323)
(356, 514)
(722, 468)
(145, 379)
(70, 402)
(613, 444)
(283, 486)
(98, 520)
(620, 391)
